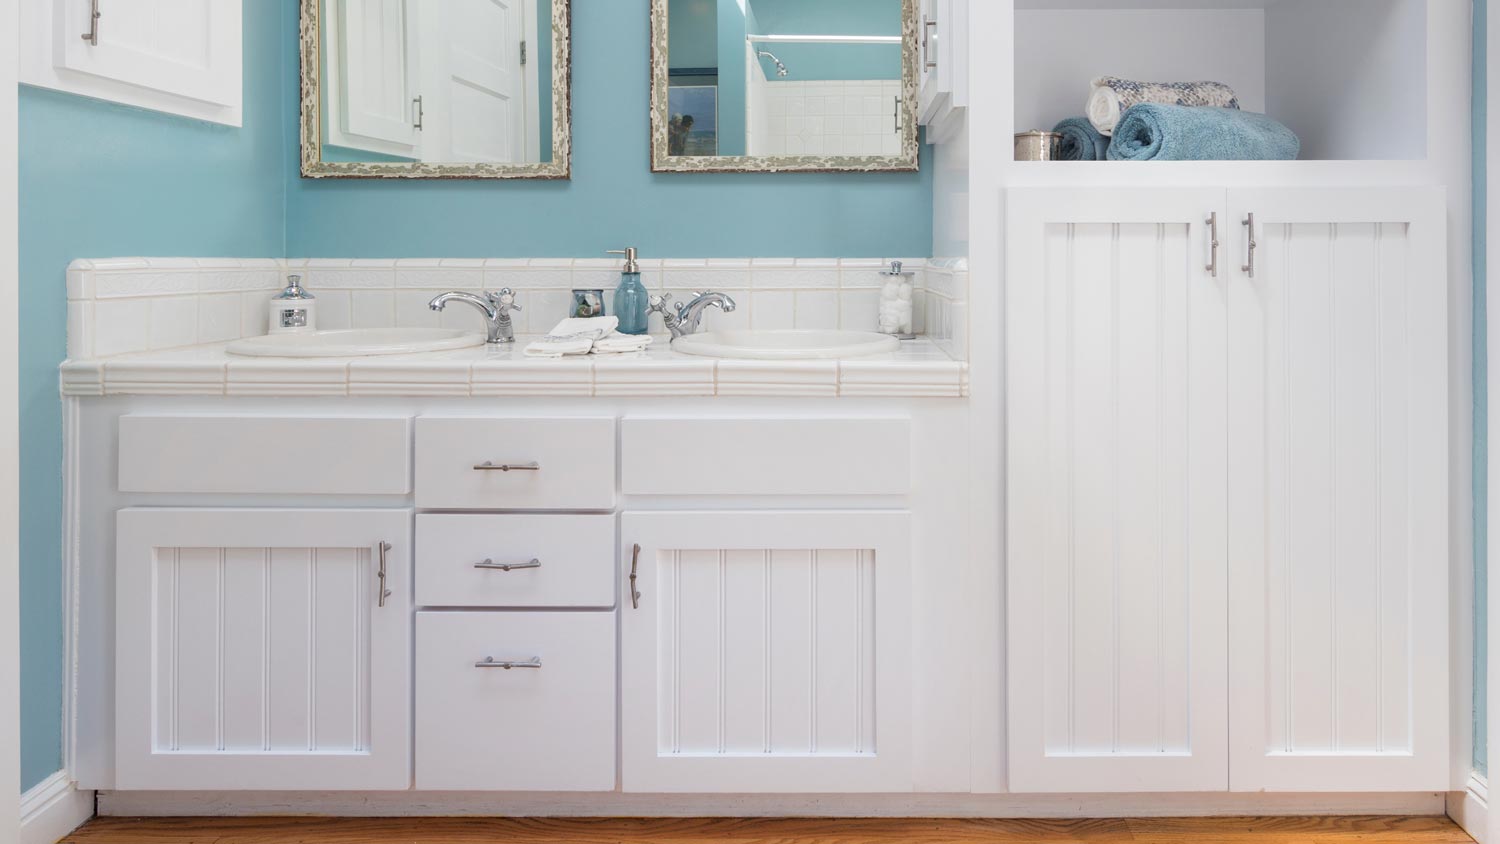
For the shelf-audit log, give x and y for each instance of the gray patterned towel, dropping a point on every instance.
(1113, 96)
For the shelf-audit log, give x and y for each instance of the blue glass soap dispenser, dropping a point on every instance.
(631, 299)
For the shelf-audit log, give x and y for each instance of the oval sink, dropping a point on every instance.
(786, 344)
(355, 342)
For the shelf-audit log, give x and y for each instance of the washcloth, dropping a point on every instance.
(620, 344)
(1152, 132)
(573, 336)
(1080, 141)
(1112, 96)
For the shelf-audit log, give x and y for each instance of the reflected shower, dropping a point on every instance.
(780, 68)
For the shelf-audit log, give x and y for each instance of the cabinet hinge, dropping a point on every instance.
(523, 54)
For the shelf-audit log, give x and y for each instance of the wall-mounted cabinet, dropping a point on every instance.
(1349, 77)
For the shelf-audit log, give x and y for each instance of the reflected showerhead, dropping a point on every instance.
(780, 68)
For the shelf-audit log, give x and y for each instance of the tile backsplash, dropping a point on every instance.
(125, 305)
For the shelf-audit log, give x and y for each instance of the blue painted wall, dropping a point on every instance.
(613, 199)
(735, 21)
(810, 62)
(101, 180)
(1481, 384)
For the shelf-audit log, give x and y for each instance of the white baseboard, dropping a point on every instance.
(429, 804)
(53, 808)
(1470, 808)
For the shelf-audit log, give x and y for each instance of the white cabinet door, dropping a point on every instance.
(766, 652)
(1338, 491)
(178, 56)
(942, 67)
(1116, 490)
(254, 649)
(371, 67)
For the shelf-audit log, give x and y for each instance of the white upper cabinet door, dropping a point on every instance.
(178, 56)
(1116, 491)
(371, 47)
(752, 660)
(942, 67)
(1338, 491)
(254, 649)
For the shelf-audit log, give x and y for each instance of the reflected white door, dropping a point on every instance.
(475, 54)
(1116, 488)
(1338, 491)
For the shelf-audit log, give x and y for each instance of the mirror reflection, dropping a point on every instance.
(438, 82)
(775, 78)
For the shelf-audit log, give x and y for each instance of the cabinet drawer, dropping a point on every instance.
(516, 464)
(557, 561)
(266, 454)
(546, 728)
(766, 456)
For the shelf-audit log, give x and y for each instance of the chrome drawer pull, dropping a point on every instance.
(508, 664)
(487, 466)
(383, 593)
(488, 563)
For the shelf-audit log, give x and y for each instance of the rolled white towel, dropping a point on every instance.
(1112, 96)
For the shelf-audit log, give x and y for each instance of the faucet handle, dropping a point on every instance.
(658, 304)
(505, 300)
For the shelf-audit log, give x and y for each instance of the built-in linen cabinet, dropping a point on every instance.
(263, 649)
(1227, 404)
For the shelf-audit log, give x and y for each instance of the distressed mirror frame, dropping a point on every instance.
(314, 167)
(662, 162)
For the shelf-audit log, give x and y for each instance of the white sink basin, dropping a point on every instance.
(355, 342)
(786, 345)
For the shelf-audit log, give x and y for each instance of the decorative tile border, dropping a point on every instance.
(126, 305)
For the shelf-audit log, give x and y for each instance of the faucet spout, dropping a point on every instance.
(496, 308)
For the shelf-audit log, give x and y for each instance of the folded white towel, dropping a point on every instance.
(619, 344)
(573, 336)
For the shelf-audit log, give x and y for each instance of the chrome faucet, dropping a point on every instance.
(496, 308)
(688, 315)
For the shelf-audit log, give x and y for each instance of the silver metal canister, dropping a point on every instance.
(1037, 145)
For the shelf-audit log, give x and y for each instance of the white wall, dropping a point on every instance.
(1059, 52)
(1349, 76)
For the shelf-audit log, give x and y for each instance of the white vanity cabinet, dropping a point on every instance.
(262, 649)
(1253, 432)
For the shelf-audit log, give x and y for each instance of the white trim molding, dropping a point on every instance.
(1470, 808)
(53, 808)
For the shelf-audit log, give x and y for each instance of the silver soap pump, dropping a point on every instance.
(293, 309)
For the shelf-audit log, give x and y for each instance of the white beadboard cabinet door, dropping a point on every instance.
(179, 56)
(1338, 491)
(1116, 490)
(254, 651)
(752, 660)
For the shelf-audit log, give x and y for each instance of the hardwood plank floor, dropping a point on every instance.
(1288, 830)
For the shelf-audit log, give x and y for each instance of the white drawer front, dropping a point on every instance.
(547, 728)
(516, 464)
(515, 561)
(766, 456)
(266, 454)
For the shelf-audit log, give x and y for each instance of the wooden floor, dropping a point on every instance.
(762, 831)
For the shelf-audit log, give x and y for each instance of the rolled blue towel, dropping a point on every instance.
(1080, 140)
(1156, 132)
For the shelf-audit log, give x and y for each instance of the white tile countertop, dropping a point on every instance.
(918, 369)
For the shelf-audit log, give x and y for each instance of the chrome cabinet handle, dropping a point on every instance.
(92, 36)
(384, 593)
(896, 116)
(419, 113)
(508, 664)
(1249, 224)
(487, 466)
(635, 559)
(927, 26)
(1213, 244)
(488, 563)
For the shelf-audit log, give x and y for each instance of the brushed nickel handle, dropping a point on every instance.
(635, 559)
(419, 113)
(1213, 244)
(508, 664)
(1249, 224)
(927, 26)
(384, 593)
(488, 466)
(92, 36)
(488, 563)
(896, 116)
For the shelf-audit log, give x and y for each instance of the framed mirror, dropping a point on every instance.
(436, 89)
(783, 85)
